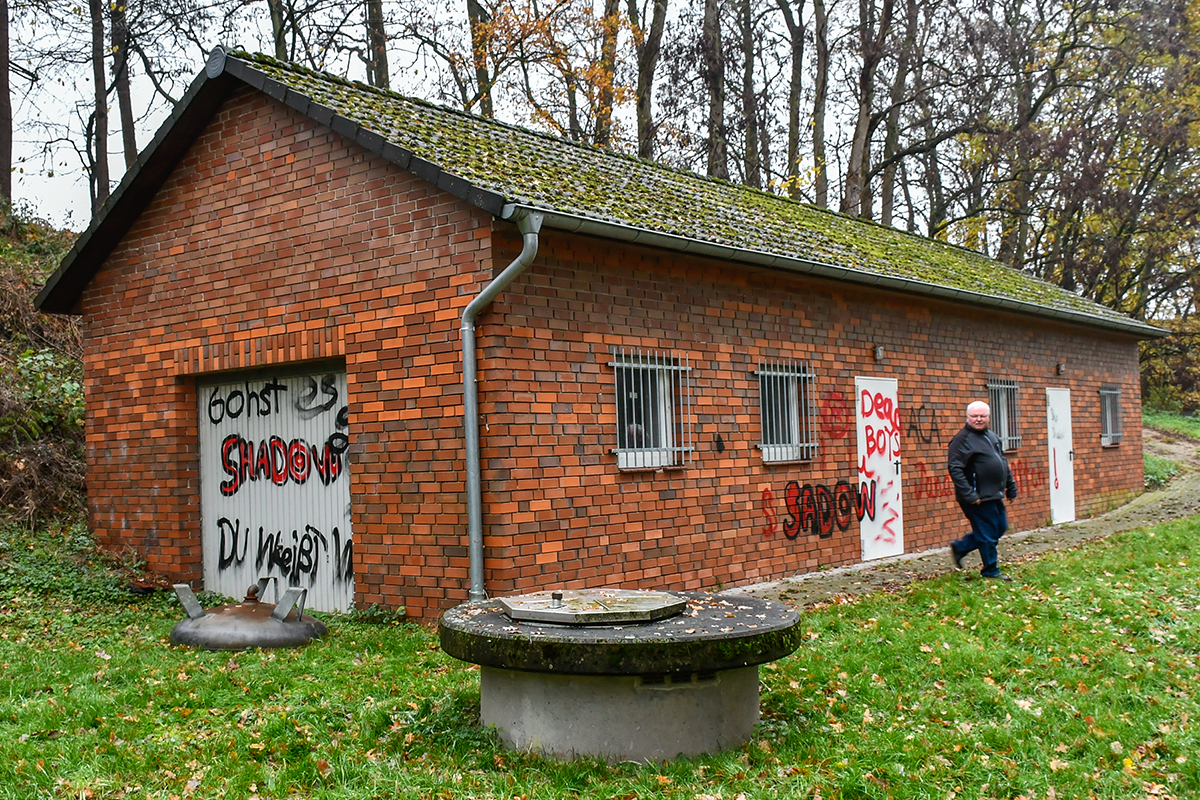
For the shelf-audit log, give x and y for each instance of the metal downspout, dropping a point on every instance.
(529, 224)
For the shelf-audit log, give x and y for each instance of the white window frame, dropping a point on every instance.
(786, 412)
(1111, 429)
(653, 396)
(1004, 400)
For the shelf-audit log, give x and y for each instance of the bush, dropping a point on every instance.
(60, 561)
(41, 380)
(1170, 368)
(1159, 471)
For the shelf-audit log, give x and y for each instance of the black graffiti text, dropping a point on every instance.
(233, 403)
(307, 406)
(294, 555)
(817, 509)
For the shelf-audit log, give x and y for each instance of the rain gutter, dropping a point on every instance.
(576, 223)
(529, 222)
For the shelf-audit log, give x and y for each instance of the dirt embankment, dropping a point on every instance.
(1180, 498)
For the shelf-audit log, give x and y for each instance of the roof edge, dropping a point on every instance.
(138, 186)
(576, 223)
(224, 71)
(157, 160)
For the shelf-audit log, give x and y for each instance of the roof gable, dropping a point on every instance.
(500, 168)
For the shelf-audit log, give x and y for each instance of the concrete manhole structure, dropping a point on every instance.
(620, 674)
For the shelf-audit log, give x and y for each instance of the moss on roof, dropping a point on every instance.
(539, 170)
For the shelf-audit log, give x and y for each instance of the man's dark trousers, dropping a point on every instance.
(989, 521)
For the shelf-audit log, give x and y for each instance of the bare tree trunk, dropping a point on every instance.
(795, 26)
(100, 117)
(648, 45)
(575, 127)
(714, 80)
(892, 136)
(908, 200)
(1014, 228)
(6, 128)
(377, 65)
(120, 46)
(820, 98)
(872, 33)
(763, 135)
(480, 23)
(277, 31)
(751, 165)
(609, 26)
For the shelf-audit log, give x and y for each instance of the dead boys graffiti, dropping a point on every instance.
(274, 451)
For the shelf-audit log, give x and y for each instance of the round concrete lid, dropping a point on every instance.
(713, 633)
(593, 606)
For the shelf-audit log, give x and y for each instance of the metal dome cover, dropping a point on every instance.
(250, 623)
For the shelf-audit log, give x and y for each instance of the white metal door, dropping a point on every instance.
(275, 487)
(877, 410)
(1062, 455)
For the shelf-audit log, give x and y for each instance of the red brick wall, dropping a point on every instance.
(559, 512)
(276, 242)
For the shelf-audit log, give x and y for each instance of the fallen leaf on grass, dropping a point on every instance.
(1057, 765)
(324, 768)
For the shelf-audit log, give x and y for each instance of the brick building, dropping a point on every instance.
(681, 383)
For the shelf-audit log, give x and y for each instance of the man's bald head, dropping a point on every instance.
(979, 414)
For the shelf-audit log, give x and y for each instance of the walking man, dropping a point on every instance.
(982, 479)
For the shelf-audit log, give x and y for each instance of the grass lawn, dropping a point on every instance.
(1176, 423)
(1078, 681)
(1158, 471)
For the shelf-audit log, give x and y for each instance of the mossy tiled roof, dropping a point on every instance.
(547, 172)
(494, 164)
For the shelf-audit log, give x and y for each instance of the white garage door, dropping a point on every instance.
(275, 486)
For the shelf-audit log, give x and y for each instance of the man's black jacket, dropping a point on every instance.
(978, 467)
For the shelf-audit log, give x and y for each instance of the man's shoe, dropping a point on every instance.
(955, 556)
(999, 576)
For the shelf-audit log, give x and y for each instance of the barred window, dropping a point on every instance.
(785, 411)
(654, 409)
(1110, 416)
(1002, 397)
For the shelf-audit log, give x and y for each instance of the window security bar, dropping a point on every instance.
(653, 392)
(1002, 397)
(787, 410)
(1111, 431)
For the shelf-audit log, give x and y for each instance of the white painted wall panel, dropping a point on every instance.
(275, 486)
